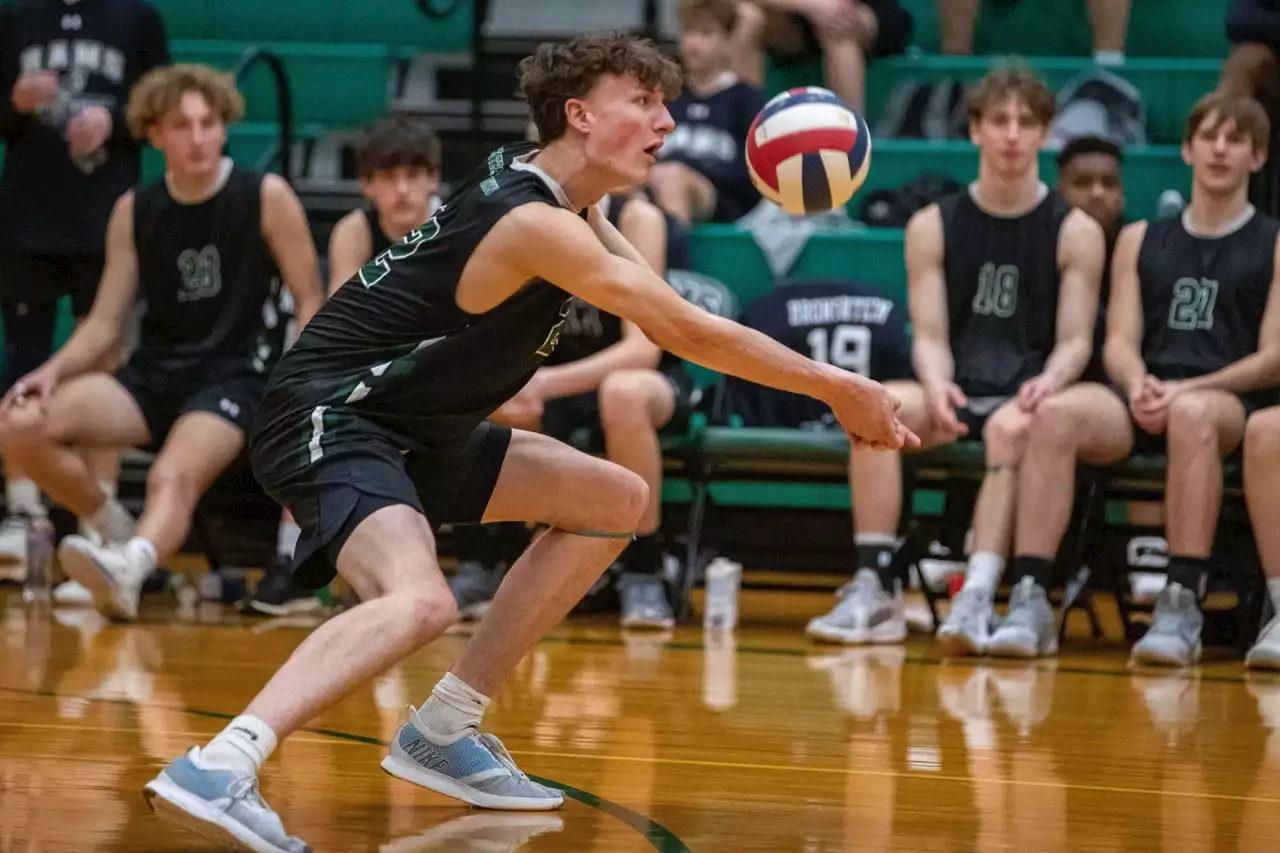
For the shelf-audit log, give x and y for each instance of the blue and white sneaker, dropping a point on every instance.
(476, 769)
(220, 805)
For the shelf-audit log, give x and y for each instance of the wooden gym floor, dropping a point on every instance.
(670, 743)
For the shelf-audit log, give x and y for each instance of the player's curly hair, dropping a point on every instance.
(398, 141)
(558, 72)
(161, 89)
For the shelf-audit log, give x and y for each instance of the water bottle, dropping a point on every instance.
(724, 579)
(38, 588)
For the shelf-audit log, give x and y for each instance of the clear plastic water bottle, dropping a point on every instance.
(38, 588)
(724, 580)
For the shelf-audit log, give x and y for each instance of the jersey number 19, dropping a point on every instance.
(847, 347)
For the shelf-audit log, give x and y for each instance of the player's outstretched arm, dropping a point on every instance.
(1260, 369)
(556, 245)
(1122, 353)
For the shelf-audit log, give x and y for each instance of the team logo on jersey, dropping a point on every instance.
(553, 336)
(201, 274)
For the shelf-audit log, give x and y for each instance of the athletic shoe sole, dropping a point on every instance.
(1269, 660)
(1022, 645)
(82, 568)
(878, 636)
(179, 808)
(450, 787)
(1157, 657)
(960, 645)
(288, 608)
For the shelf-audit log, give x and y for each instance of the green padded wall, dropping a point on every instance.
(186, 19)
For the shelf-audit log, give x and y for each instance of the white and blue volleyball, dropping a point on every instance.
(807, 151)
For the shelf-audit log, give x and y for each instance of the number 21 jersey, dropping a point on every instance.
(1203, 297)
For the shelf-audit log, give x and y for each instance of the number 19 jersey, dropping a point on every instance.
(1203, 297)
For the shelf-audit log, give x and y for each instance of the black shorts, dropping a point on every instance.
(332, 496)
(564, 416)
(976, 414)
(233, 399)
(894, 27)
(1147, 444)
(29, 278)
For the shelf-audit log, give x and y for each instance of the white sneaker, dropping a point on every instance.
(1028, 630)
(13, 547)
(866, 613)
(968, 625)
(112, 575)
(1265, 653)
(72, 594)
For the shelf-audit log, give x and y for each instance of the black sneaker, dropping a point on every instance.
(278, 595)
(473, 586)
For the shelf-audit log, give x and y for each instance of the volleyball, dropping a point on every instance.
(807, 151)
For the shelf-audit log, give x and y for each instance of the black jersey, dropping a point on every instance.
(711, 136)
(850, 325)
(99, 49)
(1203, 297)
(377, 237)
(391, 350)
(210, 284)
(1002, 291)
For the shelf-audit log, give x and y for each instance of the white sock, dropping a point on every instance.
(985, 569)
(108, 487)
(287, 538)
(887, 540)
(143, 554)
(23, 496)
(243, 745)
(113, 521)
(1108, 58)
(1273, 590)
(453, 710)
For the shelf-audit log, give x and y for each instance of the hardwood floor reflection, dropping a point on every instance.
(756, 742)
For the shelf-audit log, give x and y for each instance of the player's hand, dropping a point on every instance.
(1148, 404)
(88, 131)
(942, 401)
(36, 386)
(1035, 390)
(833, 19)
(869, 414)
(34, 90)
(523, 411)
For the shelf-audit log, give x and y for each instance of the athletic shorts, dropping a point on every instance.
(564, 416)
(894, 25)
(976, 414)
(234, 399)
(331, 496)
(1146, 444)
(28, 278)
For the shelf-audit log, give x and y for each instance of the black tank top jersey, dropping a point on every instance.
(210, 284)
(1203, 298)
(379, 239)
(392, 348)
(1002, 291)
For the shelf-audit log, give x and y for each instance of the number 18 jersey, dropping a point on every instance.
(1203, 297)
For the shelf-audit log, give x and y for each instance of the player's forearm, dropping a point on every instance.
(1259, 370)
(726, 347)
(1123, 362)
(1068, 360)
(933, 362)
(586, 374)
(307, 301)
(86, 347)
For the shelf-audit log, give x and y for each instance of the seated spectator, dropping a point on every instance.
(1003, 291)
(398, 163)
(604, 375)
(1110, 20)
(855, 327)
(1253, 28)
(845, 34)
(1193, 347)
(205, 248)
(701, 175)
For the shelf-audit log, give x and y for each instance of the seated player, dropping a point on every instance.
(854, 327)
(1109, 19)
(1003, 292)
(1193, 346)
(844, 34)
(205, 248)
(398, 163)
(603, 374)
(701, 175)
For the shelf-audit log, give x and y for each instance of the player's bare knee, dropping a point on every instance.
(22, 425)
(1054, 423)
(1005, 435)
(1262, 437)
(627, 500)
(1191, 420)
(429, 611)
(624, 396)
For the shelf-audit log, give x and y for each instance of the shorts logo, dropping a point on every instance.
(229, 407)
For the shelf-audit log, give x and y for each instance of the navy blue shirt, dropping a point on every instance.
(710, 137)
